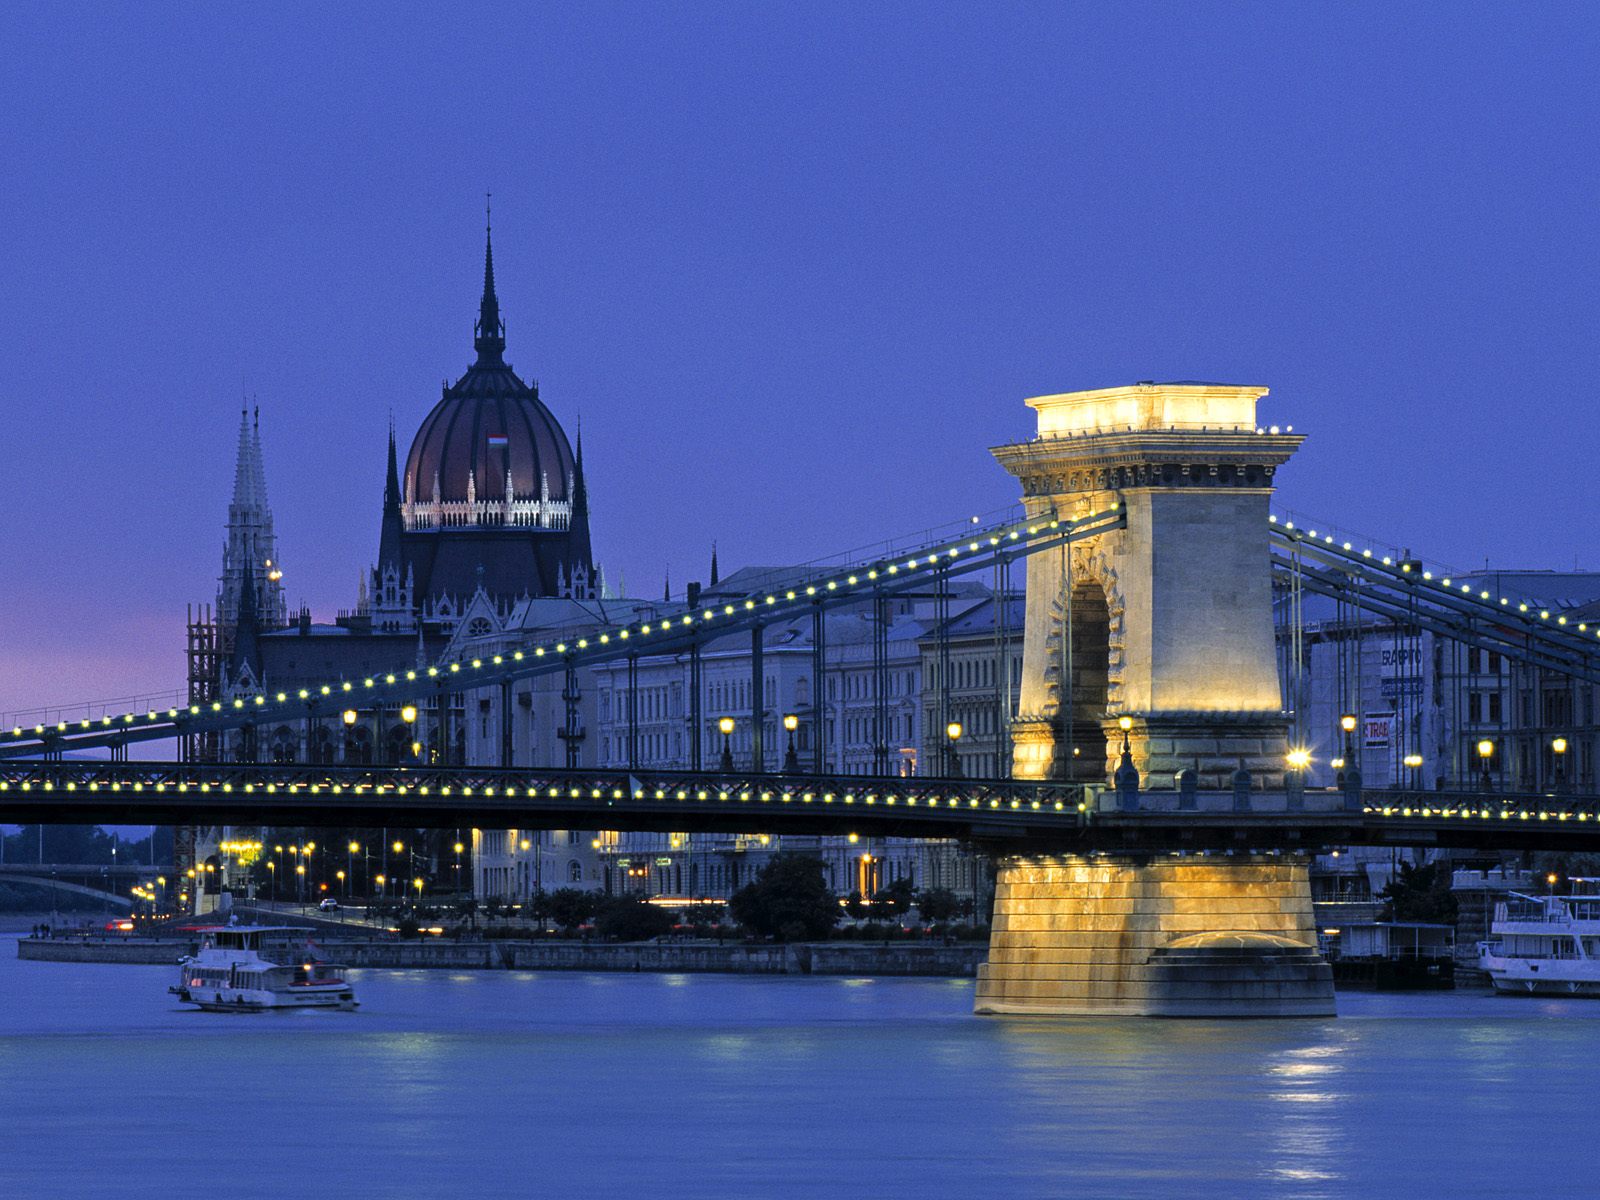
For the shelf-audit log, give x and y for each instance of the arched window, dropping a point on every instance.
(479, 627)
(574, 872)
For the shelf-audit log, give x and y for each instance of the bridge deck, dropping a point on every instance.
(1014, 815)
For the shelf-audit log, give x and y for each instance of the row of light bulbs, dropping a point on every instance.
(1427, 576)
(931, 560)
(534, 793)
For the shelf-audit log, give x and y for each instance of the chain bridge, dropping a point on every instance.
(1152, 809)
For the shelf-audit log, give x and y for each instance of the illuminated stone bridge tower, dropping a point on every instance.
(1169, 620)
(1165, 624)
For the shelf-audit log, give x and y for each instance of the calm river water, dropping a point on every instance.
(558, 1085)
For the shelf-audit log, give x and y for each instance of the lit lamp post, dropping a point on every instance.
(1559, 747)
(1485, 753)
(1347, 722)
(791, 761)
(408, 714)
(1413, 762)
(341, 876)
(725, 724)
(459, 848)
(952, 745)
(382, 881)
(351, 849)
(272, 883)
(1298, 761)
(300, 882)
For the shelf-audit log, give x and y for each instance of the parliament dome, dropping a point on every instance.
(488, 427)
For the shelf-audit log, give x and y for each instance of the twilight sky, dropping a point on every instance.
(797, 265)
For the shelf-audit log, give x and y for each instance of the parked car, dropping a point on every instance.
(329, 905)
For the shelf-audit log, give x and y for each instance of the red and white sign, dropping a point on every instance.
(1379, 729)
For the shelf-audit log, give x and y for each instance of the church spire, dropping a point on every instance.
(389, 536)
(490, 341)
(713, 564)
(578, 545)
(391, 485)
(251, 542)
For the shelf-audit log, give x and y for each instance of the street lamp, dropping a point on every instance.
(272, 881)
(1413, 762)
(1485, 753)
(791, 761)
(726, 725)
(349, 716)
(341, 877)
(952, 737)
(1347, 722)
(408, 714)
(382, 881)
(1559, 747)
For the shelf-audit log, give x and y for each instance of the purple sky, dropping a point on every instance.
(797, 266)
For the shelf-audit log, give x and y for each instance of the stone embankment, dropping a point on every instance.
(820, 958)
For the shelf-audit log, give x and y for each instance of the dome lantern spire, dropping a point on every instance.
(490, 339)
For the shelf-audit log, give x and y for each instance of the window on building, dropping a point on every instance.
(1494, 663)
(1475, 707)
(1494, 707)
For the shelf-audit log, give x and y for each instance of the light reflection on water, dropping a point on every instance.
(553, 1084)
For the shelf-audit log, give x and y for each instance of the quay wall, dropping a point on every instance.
(824, 958)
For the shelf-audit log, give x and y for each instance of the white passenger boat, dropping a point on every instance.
(250, 968)
(1548, 945)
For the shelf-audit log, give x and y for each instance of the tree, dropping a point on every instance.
(469, 910)
(857, 908)
(1419, 894)
(570, 907)
(788, 899)
(631, 919)
(937, 905)
(703, 914)
(538, 907)
(892, 901)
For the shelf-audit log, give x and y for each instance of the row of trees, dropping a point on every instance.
(789, 899)
(82, 844)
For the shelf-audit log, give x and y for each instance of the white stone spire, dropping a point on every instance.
(251, 537)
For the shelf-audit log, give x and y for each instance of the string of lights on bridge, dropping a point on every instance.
(1412, 568)
(532, 792)
(802, 595)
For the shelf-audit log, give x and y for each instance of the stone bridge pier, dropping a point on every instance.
(1158, 634)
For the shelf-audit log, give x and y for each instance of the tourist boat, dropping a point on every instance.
(1548, 945)
(250, 968)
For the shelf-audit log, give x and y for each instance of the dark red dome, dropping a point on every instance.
(489, 422)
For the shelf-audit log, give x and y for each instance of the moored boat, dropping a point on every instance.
(1547, 945)
(251, 968)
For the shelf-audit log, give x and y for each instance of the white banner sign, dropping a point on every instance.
(1380, 728)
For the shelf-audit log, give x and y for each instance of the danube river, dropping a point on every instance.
(565, 1085)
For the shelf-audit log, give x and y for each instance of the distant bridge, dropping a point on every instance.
(50, 877)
